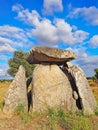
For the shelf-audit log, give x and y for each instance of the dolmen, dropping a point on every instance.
(57, 83)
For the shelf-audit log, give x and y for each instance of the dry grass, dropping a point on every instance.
(95, 91)
(94, 86)
(3, 88)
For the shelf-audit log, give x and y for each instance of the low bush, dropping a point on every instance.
(2, 105)
(96, 111)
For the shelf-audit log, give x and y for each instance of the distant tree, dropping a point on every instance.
(19, 58)
(96, 74)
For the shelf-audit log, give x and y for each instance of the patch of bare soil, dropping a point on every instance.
(95, 122)
(11, 123)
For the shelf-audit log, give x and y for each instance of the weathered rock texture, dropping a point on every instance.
(51, 88)
(16, 93)
(49, 55)
(87, 99)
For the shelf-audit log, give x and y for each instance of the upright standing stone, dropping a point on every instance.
(85, 93)
(16, 93)
(51, 88)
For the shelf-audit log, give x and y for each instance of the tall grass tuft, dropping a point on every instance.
(52, 117)
(2, 105)
(96, 111)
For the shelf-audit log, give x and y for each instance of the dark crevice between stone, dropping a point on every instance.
(73, 85)
(29, 93)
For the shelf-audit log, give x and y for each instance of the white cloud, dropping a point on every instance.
(88, 64)
(12, 38)
(17, 8)
(12, 32)
(94, 41)
(61, 31)
(30, 18)
(80, 51)
(3, 70)
(51, 6)
(90, 14)
(89, 60)
(0, 71)
(5, 40)
(50, 33)
(45, 33)
(4, 65)
(6, 48)
(67, 35)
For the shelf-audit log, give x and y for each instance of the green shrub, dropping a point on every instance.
(26, 117)
(52, 117)
(79, 122)
(19, 109)
(62, 118)
(96, 111)
(2, 105)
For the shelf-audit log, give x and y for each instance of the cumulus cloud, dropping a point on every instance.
(50, 33)
(0, 71)
(12, 38)
(6, 48)
(51, 6)
(4, 65)
(12, 32)
(30, 18)
(84, 60)
(17, 7)
(5, 40)
(80, 51)
(88, 60)
(88, 64)
(94, 41)
(3, 71)
(67, 35)
(60, 31)
(90, 14)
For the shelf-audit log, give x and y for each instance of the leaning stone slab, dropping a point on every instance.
(16, 93)
(85, 93)
(40, 54)
(51, 88)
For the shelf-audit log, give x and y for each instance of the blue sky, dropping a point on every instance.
(65, 24)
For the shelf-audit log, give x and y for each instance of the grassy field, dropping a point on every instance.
(50, 120)
(3, 88)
